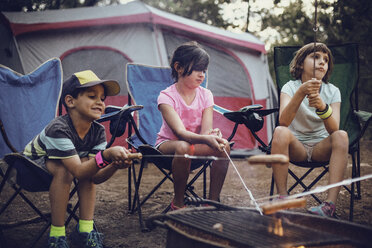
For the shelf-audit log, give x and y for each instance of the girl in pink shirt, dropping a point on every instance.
(187, 111)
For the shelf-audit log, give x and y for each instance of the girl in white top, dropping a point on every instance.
(309, 118)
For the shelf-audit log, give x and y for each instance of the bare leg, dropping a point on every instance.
(285, 143)
(59, 191)
(218, 170)
(180, 168)
(87, 197)
(334, 148)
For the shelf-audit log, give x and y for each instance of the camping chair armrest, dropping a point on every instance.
(364, 117)
(137, 133)
(111, 112)
(251, 116)
(119, 117)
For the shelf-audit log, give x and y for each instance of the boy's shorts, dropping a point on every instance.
(32, 175)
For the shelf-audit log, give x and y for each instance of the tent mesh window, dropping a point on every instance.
(234, 73)
(105, 63)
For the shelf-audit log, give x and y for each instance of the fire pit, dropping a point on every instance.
(206, 227)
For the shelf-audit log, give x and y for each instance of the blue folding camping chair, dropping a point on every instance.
(28, 103)
(144, 85)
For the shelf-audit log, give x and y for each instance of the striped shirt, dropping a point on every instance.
(59, 140)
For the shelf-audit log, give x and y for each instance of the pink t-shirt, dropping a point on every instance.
(191, 115)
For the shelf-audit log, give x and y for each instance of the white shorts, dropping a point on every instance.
(157, 146)
(309, 147)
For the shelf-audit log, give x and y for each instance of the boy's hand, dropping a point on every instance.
(119, 156)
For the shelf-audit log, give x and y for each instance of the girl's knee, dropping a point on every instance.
(280, 135)
(184, 147)
(340, 139)
(340, 134)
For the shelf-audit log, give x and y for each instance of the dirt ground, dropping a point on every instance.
(121, 229)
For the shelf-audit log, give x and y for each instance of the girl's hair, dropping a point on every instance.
(296, 66)
(190, 56)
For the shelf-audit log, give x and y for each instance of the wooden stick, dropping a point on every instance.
(275, 206)
(135, 156)
(268, 159)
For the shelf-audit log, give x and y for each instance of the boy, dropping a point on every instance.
(73, 146)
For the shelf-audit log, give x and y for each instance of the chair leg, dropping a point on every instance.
(351, 213)
(189, 187)
(36, 239)
(5, 177)
(272, 185)
(357, 167)
(205, 184)
(2, 239)
(306, 188)
(136, 197)
(138, 181)
(130, 188)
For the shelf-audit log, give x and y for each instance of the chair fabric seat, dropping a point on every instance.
(30, 176)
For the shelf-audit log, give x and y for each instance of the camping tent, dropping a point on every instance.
(104, 39)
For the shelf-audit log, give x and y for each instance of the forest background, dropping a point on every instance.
(275, 22)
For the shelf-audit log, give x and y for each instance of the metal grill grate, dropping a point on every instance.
(249, 229)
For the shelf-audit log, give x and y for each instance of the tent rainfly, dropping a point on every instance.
(104, 39)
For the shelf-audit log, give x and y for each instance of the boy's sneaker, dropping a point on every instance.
(326, 209)
(57, 242)
(93, 239)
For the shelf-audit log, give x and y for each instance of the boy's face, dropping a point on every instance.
(89, 104)
(321, 65)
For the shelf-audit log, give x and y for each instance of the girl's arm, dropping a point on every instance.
(175, 123)
(289, 105)
(333, 122)
(207, 121)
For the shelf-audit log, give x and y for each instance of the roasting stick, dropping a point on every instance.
(245, 186)
(256, 159)
(253, 160)
(132, 156)
(320, 189)
(274, 206)
(294, 201)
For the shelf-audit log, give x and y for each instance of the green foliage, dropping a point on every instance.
(37, 5)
